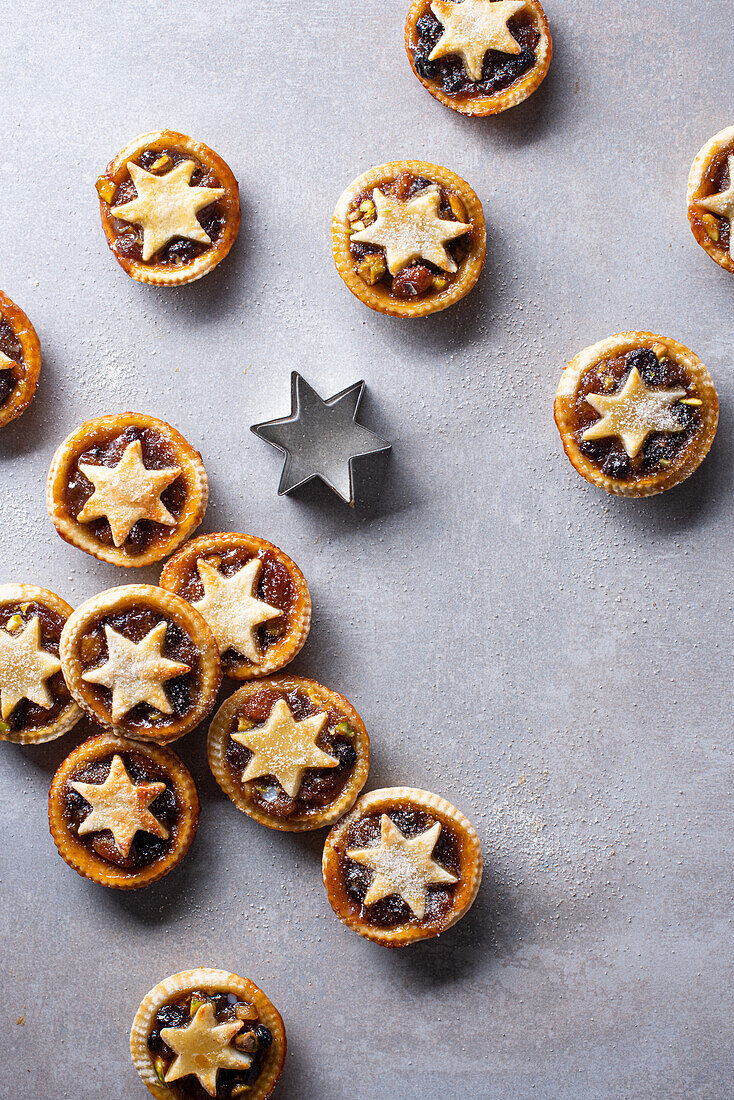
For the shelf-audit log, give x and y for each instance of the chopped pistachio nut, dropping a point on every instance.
(163, 161)
(372, 268)
(4, 727)
(695, 401)
(664, 462)
(160, 1069)
(457, 208)
(345, 729)
(357, 227)
(440, 282)
(196, 1003)
(106, 188)
(15, 621)
(712, 226)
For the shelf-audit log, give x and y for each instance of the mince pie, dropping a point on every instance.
(170, 208)
(253, 596)
(711, 198)
(126, 488)
(205, 1033)
(404, 865)
(409, 238)
(479, 57)
(289, 752)
(121, 812)
(141, 661)
(20, 361)
(35, 703)
(637, 413)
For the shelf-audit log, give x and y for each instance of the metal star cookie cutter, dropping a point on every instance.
(321, 438)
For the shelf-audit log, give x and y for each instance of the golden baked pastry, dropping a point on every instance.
(170, 208)
(35, 703)
(20, 360)
(206, 1033)
(121, 812)
(253, 596)
(403, 865)
(479, 57)
(637, 413)
(711, 198)
(142, 662)
(409, 238)
(127, 489)
(289, 752)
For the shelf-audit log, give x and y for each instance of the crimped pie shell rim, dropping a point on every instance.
(94, 867)
(168, 604)
(472, 264)
(482, 106)
(386, 797)
(75, 533)
(699, 167)
(279, 655)
(19, 592)
(621, 343)
(176, 275)
(213, 980)
(27, 336)
(216, 748)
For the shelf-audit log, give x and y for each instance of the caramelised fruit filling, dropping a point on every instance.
(717, 178)
(275, 587)
(129, 238)
(135, 624)
(420, 278)
(254, 1039)
(27, 715)
(107, 450)
(660, 450)
(7, 386)
(10, 346)
(145, 847)
(392, 911)
(499, 70)
(321, 786)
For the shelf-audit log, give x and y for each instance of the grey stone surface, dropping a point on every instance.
(556, 662)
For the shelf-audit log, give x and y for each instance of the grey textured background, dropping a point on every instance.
(555, 662)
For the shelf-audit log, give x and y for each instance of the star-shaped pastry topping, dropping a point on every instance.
(403, 867)
(204, 1047)
(136, 671)
(472, 27)
(166, 206)
(232, 609)
(284, 748)
(121, 806)
(634, 413)
(723, 204)
(127, 492)
(24, 668)
(411, 230)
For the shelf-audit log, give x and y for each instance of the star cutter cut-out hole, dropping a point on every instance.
(321, 438)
